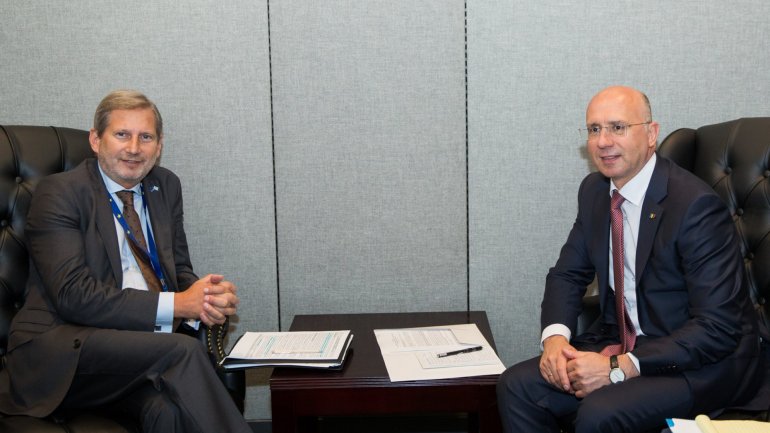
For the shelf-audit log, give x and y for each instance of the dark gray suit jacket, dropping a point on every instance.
(693, 303)
(75, 280)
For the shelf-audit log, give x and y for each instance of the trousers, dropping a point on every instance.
(164, 381)
(527, 403)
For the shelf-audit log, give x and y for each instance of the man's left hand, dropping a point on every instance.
(219, 300)
(587, 371)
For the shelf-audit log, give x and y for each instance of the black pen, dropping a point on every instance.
(457, 352)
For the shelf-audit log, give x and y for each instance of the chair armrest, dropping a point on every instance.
(213, 338)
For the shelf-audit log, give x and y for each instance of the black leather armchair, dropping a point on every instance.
(734, 158)
(28, 153)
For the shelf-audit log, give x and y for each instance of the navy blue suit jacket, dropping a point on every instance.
(693, 304)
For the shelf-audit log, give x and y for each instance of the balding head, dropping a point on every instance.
(632, 98)
(622, 135)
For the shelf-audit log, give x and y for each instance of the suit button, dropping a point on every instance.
(76, 343)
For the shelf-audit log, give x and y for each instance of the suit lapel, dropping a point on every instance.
(160, 219)
(652, 212)
(105, 222)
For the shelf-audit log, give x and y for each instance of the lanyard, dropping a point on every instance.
(153, 253)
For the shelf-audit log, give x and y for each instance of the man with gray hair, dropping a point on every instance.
(110, 279)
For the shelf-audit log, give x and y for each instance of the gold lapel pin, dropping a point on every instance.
(652, 215)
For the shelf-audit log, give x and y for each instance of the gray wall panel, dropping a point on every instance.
(370, 155)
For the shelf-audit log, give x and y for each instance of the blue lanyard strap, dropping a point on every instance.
(153, 253)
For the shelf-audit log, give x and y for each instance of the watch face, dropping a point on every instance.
(616, 375)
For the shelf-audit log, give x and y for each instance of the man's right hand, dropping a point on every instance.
(553, 363)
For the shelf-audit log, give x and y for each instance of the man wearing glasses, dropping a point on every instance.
(677, 335)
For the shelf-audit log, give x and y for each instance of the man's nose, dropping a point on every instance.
(133, 145)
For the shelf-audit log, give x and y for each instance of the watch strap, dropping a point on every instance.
(614, 362)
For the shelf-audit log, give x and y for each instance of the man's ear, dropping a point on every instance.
(93, 138)
(160, 150)
(652, 134)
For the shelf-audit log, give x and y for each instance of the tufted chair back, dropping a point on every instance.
(27, 153)
(734, 158)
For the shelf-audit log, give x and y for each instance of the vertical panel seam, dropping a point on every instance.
(275, 194)
(467, 175)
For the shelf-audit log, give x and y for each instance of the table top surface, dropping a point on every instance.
(364, 366)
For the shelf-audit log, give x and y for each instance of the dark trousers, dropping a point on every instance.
(165, 381)
(528, 403)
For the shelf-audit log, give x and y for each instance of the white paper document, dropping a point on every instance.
(413, 353)
(317, 349)
(415, 339)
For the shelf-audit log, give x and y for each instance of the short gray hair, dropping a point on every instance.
(124, 100)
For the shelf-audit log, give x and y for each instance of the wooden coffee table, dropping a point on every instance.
(362, 387)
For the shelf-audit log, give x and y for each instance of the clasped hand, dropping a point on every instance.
(210, 299)
(571, 370)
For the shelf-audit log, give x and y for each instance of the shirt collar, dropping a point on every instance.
(636, 188)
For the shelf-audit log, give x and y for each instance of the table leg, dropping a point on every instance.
(284, 418)
(489, 420)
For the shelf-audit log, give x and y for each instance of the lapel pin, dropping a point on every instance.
(652, 215)
(155, 188)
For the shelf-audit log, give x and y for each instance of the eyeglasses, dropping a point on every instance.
(618, 129)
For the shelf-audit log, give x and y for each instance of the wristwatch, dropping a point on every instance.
(616, 374)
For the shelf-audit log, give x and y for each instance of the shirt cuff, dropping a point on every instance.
(635, 361)
(555, 329)
(193, 323)
(164, 318)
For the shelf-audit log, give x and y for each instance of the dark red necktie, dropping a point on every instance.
(132, 219)
(625, 326)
